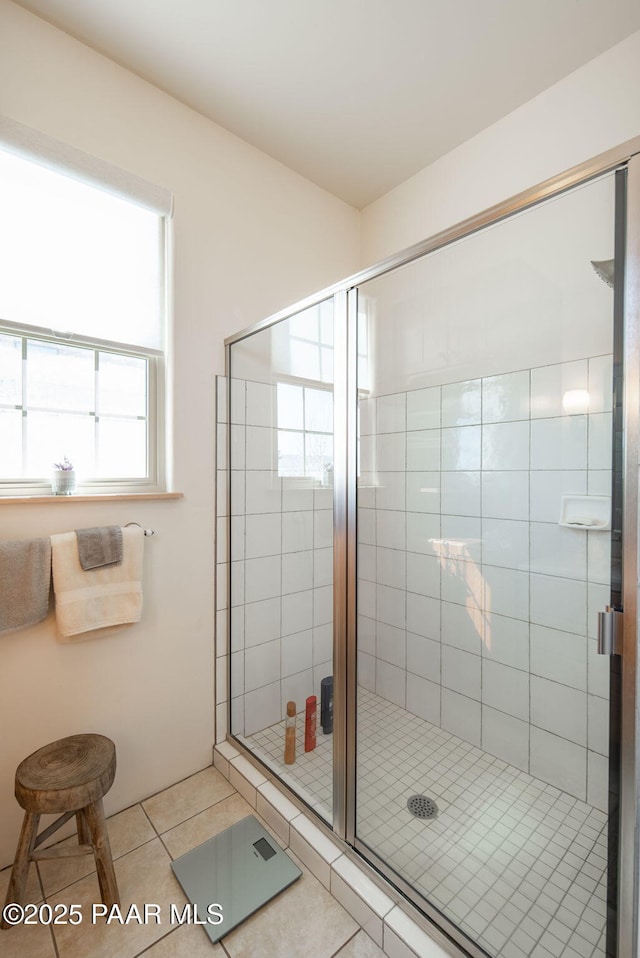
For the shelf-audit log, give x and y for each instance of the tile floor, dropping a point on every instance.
(305, 920)
(518, 864)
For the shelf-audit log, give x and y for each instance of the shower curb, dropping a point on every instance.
(379, 914)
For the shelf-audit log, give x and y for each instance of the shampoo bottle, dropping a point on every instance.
(290, 734)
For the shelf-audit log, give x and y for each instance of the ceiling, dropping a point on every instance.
(355, 95)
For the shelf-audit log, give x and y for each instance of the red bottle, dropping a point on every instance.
(310, 724)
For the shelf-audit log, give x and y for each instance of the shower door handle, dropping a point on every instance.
(610, 632)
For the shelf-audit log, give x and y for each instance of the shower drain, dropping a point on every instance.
(422, 807)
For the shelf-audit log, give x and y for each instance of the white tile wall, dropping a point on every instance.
(498, 601)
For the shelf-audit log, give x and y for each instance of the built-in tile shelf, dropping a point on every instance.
(388, 923)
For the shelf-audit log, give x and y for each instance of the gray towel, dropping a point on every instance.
(99, 546)
(25, 579)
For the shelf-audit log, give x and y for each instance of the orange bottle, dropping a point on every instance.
(290, 734)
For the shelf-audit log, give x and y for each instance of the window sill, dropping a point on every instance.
(98, 497)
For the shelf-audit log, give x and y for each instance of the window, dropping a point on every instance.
(305, 431)
(81, 330)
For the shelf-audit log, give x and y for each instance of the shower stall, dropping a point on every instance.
(431, 494)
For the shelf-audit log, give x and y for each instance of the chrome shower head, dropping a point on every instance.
(605, 270)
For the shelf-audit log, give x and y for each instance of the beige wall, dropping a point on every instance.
(249, 237)
(588, 112)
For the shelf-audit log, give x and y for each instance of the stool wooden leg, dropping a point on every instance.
(20, 870)
(94, 815)
(84, 838)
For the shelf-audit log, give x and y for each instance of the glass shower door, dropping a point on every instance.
(483, 556)
(281, 547)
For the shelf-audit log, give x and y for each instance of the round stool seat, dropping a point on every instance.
(66, 775)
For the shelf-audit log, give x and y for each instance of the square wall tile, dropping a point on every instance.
(559, 656)
(390, 491)
(559, 709)
(461, 538)
(506, 592)
(263, 579)
(391, 568)
(506, 641)
(559, 444)
(547, 489)
(461, 627)
(297, 612)
(262, 665)
(423, 408)
(261, 708)
(390, 529)
(423, 533)
(505, 446)
(461, 716)
(296, 653)
(391, 645)
(391, 606)
(460, 493)
(261, 450)
(461, 672)
(423, 574)
(391, 413)
(505, 398)
(556, 550)
(551, 384)
(423, 657)
(423, 615)
(297, 571)
(423, 450)
(505, 737)
(462, 582)
(366, 562)
(263, 492)
(505, 543)
(367, 417)
(598, 724)
(297, 531)
(423, 491)
(263, 535)
(462, 403)
(460, 448)
(238, 400)
(390, 452)
(391, 683)
(423, 698)
(505, 689)
(559, 603)
(559, 762)
(598, 781)
(261, 621)
(505, 495)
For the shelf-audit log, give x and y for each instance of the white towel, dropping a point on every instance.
(97, 598)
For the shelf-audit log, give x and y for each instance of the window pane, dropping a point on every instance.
(290, 407)
(318, 410)
(122, 385)
(52, 436)
(290, 453)
(122, 448)
(10, 370)
(326, 323)
(10, 443)
(318, 454)
(60, 376)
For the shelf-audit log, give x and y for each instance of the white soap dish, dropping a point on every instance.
(591, 513)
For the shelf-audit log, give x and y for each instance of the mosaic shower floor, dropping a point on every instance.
(518, 865)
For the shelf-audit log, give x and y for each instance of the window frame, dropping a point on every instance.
(155, 358)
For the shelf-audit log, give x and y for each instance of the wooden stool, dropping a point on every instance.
(69, 776)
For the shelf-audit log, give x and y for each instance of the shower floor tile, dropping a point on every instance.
(518, 865)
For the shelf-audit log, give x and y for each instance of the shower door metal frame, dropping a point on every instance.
(627, 155)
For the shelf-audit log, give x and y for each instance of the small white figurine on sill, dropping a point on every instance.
(63, 478)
